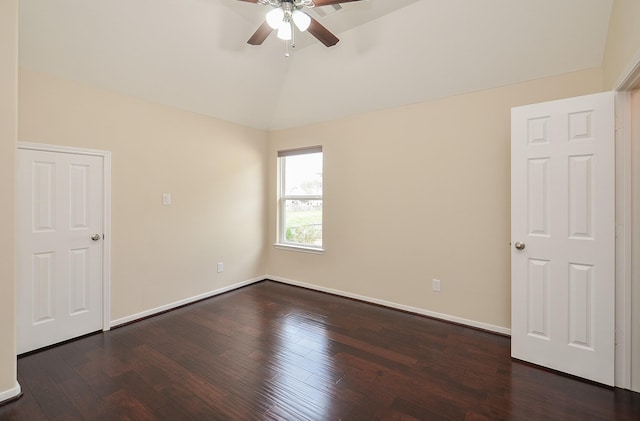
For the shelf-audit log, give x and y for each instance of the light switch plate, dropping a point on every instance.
(166, 198)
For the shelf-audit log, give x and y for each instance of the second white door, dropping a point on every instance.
(60, 247)
(563, 235)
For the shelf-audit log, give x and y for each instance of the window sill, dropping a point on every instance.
(302, 249)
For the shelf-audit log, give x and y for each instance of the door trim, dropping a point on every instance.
(623, 241)
(106, 229)
(631, 75)
(628, 80)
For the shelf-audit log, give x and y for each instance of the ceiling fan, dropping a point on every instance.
(285, 14)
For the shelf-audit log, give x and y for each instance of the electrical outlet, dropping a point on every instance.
(220, 267)
(435, 285)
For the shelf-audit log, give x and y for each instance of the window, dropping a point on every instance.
(300, 198)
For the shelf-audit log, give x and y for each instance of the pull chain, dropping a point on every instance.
(287, 54)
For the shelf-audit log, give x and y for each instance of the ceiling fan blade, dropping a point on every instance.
(320, 3)
(250, 1)
(323, 34)
(260, 35)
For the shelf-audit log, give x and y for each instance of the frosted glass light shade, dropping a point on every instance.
(302, 20)
(284, 31)
(275, 17)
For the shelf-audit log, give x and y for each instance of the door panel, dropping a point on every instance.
(563, 203)
(60, 206)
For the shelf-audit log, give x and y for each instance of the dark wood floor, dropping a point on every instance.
(275, 352)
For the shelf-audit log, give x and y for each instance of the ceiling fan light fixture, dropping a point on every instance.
(302, 20)
(285, 31)
(275, 17)
(286, 17)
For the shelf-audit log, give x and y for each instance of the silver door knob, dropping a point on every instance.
(95, 237)
(519, 245)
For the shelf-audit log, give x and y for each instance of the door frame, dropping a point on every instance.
(106, 225)
(629, 80)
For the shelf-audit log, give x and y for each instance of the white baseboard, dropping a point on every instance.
(11, 393)
(472, 323)
(435, 315)
(185, 301)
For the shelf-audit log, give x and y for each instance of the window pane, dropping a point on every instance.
(303, 174)
(303, 222)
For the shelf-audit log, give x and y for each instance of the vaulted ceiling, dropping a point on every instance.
(192, 54)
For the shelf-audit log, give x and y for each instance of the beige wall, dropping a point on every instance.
(623, 41)
(214, 170)
(8, 133)
(416, 193)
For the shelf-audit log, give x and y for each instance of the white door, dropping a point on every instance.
(563, 234)
(59, 236)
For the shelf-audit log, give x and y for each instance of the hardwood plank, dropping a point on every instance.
(275, 352)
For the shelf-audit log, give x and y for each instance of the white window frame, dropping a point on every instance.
(281, 241)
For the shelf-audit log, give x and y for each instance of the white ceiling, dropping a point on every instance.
(192, 54)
